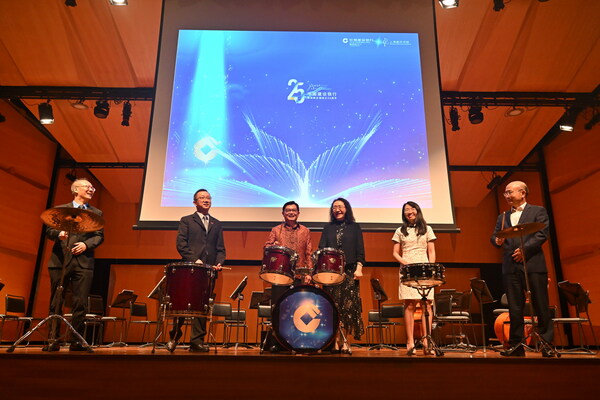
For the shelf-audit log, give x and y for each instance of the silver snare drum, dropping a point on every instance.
(423, 275)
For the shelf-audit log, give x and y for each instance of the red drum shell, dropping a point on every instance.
(278, 265)
(189, 287)
(328, 266)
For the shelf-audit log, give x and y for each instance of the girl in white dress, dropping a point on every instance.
(413, 243)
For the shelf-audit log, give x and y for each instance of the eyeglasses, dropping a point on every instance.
(509, 192)
(336, 207)
(87, 187)
(203, 198)
(290, 211)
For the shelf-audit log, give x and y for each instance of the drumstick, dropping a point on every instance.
(225, 268)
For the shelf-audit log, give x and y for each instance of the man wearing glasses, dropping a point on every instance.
(199, 240)
(513, 273)
(79, 268)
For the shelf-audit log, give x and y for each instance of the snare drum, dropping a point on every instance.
(189, 287)
(422, 275)
(278, 265)
(305, 319)
(328, 266)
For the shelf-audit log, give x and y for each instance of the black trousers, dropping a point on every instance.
(198, 330)
(516, 290)
(80, 282)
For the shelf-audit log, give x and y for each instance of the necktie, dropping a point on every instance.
(205, 220)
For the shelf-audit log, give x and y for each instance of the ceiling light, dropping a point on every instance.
(80, 105)
(448, 3)
(71, 3)
(498, 5)
(454, 117)
(514, 111)
(475, 115)
(126, 113)
(118, 2)
(45, 113)
(567, 122)
(101, 110)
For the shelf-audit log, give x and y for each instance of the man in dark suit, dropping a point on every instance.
(199, 240)
(79, 266)
(513, 273)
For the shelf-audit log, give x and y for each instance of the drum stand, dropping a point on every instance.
(55, 317)
(431, 345)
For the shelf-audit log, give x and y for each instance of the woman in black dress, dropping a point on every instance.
(343, 233)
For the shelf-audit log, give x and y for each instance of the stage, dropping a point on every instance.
(135, 373)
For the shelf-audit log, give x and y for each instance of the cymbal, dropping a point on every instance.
(72, 219)
(518, 230)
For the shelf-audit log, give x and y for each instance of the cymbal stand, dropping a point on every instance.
(56, 316)
(541, 343)
(430, 345)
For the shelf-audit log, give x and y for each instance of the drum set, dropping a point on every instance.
(305, 318)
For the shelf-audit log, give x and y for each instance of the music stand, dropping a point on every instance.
(238, 294)
(158, 293)
(122, 301)
(380, 296)
(483, 296)
(259, 299)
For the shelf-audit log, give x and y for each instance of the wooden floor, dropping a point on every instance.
(135, 373)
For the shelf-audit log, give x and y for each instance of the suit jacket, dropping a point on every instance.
(532, 243)
(92, 240)
(194, 242)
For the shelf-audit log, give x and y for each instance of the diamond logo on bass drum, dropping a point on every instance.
(305, 317)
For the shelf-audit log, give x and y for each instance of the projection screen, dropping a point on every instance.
(261, 102)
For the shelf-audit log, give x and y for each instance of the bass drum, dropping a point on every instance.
(305, 319)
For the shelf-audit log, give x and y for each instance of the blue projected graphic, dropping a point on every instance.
(260, 118)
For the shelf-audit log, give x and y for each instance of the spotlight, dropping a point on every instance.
(2, 118)
(448, 3)
(118, 2)
(454, 117)
(126, 113)
(567, 122)
(80, 105)
(71, 3)
(498, 5)
(514, 111)
(101, 110)
(45, 113)
(475, 115)
(590, 124)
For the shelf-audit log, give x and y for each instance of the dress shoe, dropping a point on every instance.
(171, 345)
(75, 346)
(51, 347)
(199, 348)
(516, 351)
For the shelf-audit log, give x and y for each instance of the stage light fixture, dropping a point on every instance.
(126, 113)
(454, 117)
(2, 118)
(514, 111)
(45, 113)
(475, 115)
(71, 3)
(498, 5)
(448, 3)
(80, 105)
(118, 2)
(101, 110)
(590, 124)
(567, 122)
